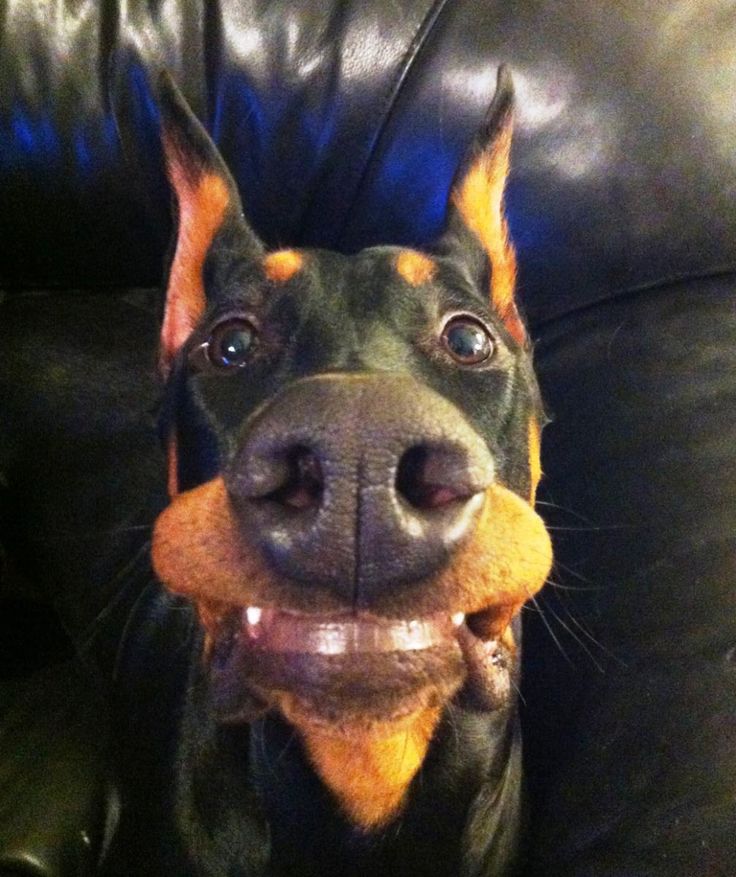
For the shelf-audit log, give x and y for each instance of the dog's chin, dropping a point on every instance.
(340, 673)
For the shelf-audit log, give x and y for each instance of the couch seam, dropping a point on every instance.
(408, 60)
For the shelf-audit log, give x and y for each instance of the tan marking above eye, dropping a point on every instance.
(282, 265)
(414, 267)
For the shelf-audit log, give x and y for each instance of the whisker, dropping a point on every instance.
(578, 575)
(287, 746)
(518, 693)
(590, 528)
(586, 632)
(562, 508)
(551, 632)
(577, 639)
(558, 586)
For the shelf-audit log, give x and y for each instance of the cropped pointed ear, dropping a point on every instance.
(206, 200)
(476, 230)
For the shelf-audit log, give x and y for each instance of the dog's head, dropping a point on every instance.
(354, 448)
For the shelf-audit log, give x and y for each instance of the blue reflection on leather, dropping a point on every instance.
(110, 133)
(31, 140)
(421, 172)
(22, 131)
(528, 230)
(143, 97)
(82, 153)
(319, 129)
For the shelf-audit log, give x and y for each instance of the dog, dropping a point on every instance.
(353, 452)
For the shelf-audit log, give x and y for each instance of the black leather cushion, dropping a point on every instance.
(342, 123)
(631, 719)
(57, 802)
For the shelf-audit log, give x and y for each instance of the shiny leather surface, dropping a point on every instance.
(631, 690)
(55, 789)
(343, 122)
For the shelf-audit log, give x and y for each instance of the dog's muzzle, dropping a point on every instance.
(358, 483)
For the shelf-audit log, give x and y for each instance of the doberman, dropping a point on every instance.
(353, 446)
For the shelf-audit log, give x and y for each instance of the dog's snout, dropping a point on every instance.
(359, 483)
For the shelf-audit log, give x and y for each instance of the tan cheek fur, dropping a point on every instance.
(199, 550)
(505, 562)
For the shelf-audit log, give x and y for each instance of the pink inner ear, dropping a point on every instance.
(203, 199)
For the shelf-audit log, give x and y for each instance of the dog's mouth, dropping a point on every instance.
(339, 669)
(325, 664)
(276, 630)
(363, 689)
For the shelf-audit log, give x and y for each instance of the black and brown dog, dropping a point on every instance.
(354, 449)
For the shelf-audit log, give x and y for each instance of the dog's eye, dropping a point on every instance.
(467, 341)
(231, 344)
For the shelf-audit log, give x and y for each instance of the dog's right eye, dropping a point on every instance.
(231, 344)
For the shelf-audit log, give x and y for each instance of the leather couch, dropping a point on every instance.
(342, 123)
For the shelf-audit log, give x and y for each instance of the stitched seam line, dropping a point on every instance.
(623, 293)
(407, 63)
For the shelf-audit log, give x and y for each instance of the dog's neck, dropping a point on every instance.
(467, 793)
(462, 814)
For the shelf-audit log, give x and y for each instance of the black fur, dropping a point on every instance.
(210, 799)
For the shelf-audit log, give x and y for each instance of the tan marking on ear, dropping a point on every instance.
(369, 770)
(203, 199)
(282, 265)
(535, 456)
(479, 199)
(414, 267)
(172, 461)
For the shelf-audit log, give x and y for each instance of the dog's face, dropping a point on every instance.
(353, 445)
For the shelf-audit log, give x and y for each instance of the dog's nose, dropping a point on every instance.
(359, 483)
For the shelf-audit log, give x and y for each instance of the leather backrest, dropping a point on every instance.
(343, 123)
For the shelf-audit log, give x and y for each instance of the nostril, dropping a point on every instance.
(427, 479)
(303, 483)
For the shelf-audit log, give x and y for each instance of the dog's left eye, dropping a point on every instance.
(467, 340)
(231, 344)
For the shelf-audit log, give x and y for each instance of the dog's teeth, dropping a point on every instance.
(458, 618)
(253, 614)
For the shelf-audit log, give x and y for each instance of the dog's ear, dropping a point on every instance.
(476, 230)
(206, 200)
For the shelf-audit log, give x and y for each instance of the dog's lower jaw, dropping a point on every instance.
(367, 768)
